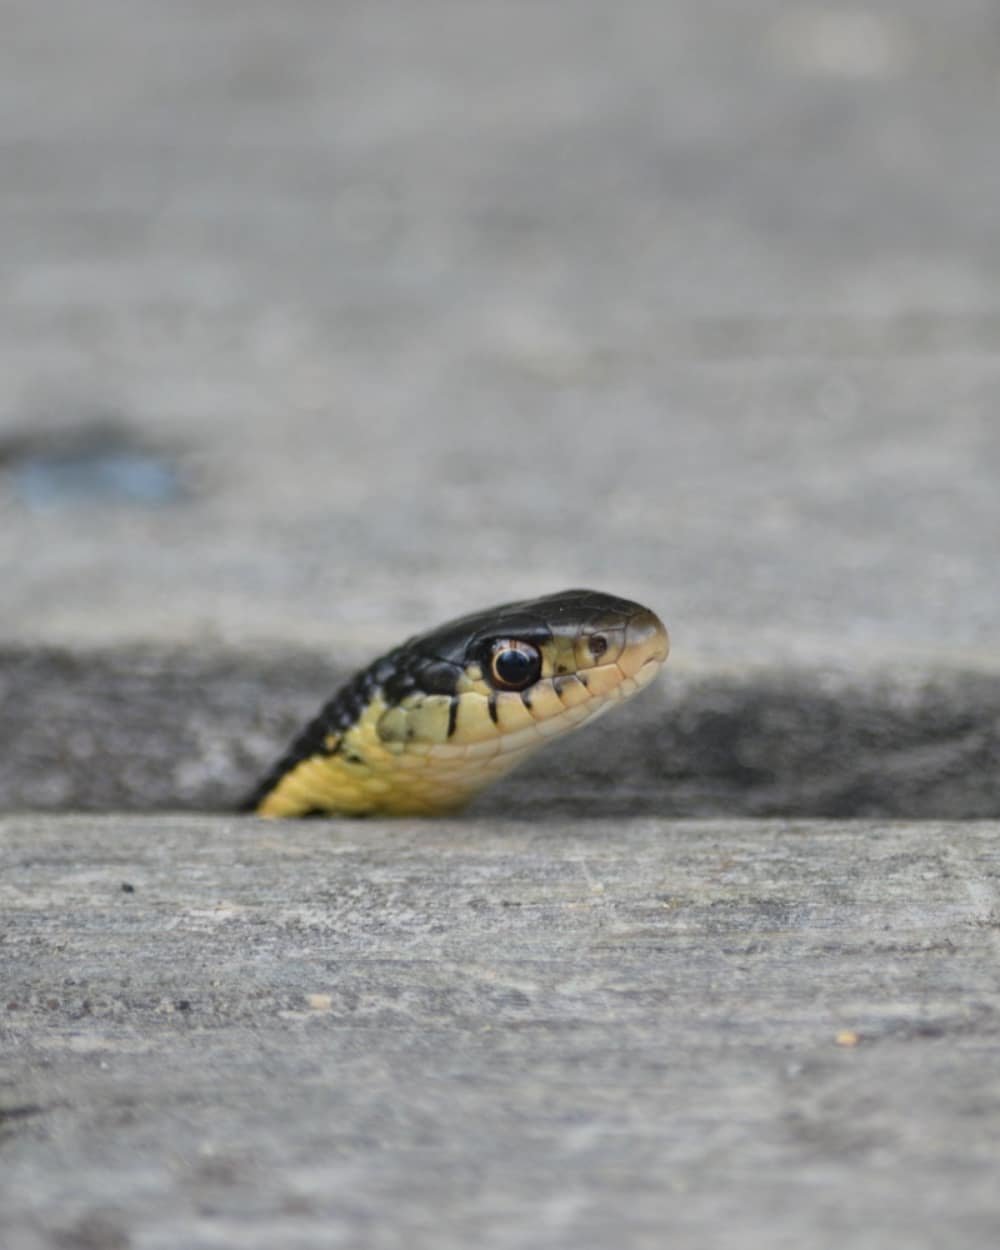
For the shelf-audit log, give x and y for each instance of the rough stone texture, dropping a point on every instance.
(227, 1033)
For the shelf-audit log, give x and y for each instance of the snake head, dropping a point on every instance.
(435, 720)
(522, 672)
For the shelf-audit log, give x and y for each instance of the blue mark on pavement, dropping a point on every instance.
(87, 471)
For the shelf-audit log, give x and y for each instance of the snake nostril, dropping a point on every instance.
(598, 645)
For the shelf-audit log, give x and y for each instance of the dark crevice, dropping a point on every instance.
(148, 729)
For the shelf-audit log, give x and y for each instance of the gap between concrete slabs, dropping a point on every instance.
(154, 729)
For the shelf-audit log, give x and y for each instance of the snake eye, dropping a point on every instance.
(514, 665)
(598, 645)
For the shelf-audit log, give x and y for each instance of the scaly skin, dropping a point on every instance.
(426, 726)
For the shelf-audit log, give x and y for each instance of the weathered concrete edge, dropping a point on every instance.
(153, 728)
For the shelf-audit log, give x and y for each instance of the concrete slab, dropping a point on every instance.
(225, 1033)
(694, 303)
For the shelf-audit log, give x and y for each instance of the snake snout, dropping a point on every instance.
(647, 645)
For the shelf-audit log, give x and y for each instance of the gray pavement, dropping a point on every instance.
(222, 1033)
(694, 302)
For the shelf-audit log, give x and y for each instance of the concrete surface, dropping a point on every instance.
(693, 302)
(759, 1035)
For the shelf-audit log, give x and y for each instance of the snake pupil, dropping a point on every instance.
(515, 665)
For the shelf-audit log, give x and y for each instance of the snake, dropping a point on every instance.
(429, 724)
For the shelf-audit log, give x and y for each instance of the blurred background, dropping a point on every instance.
(324, 322)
